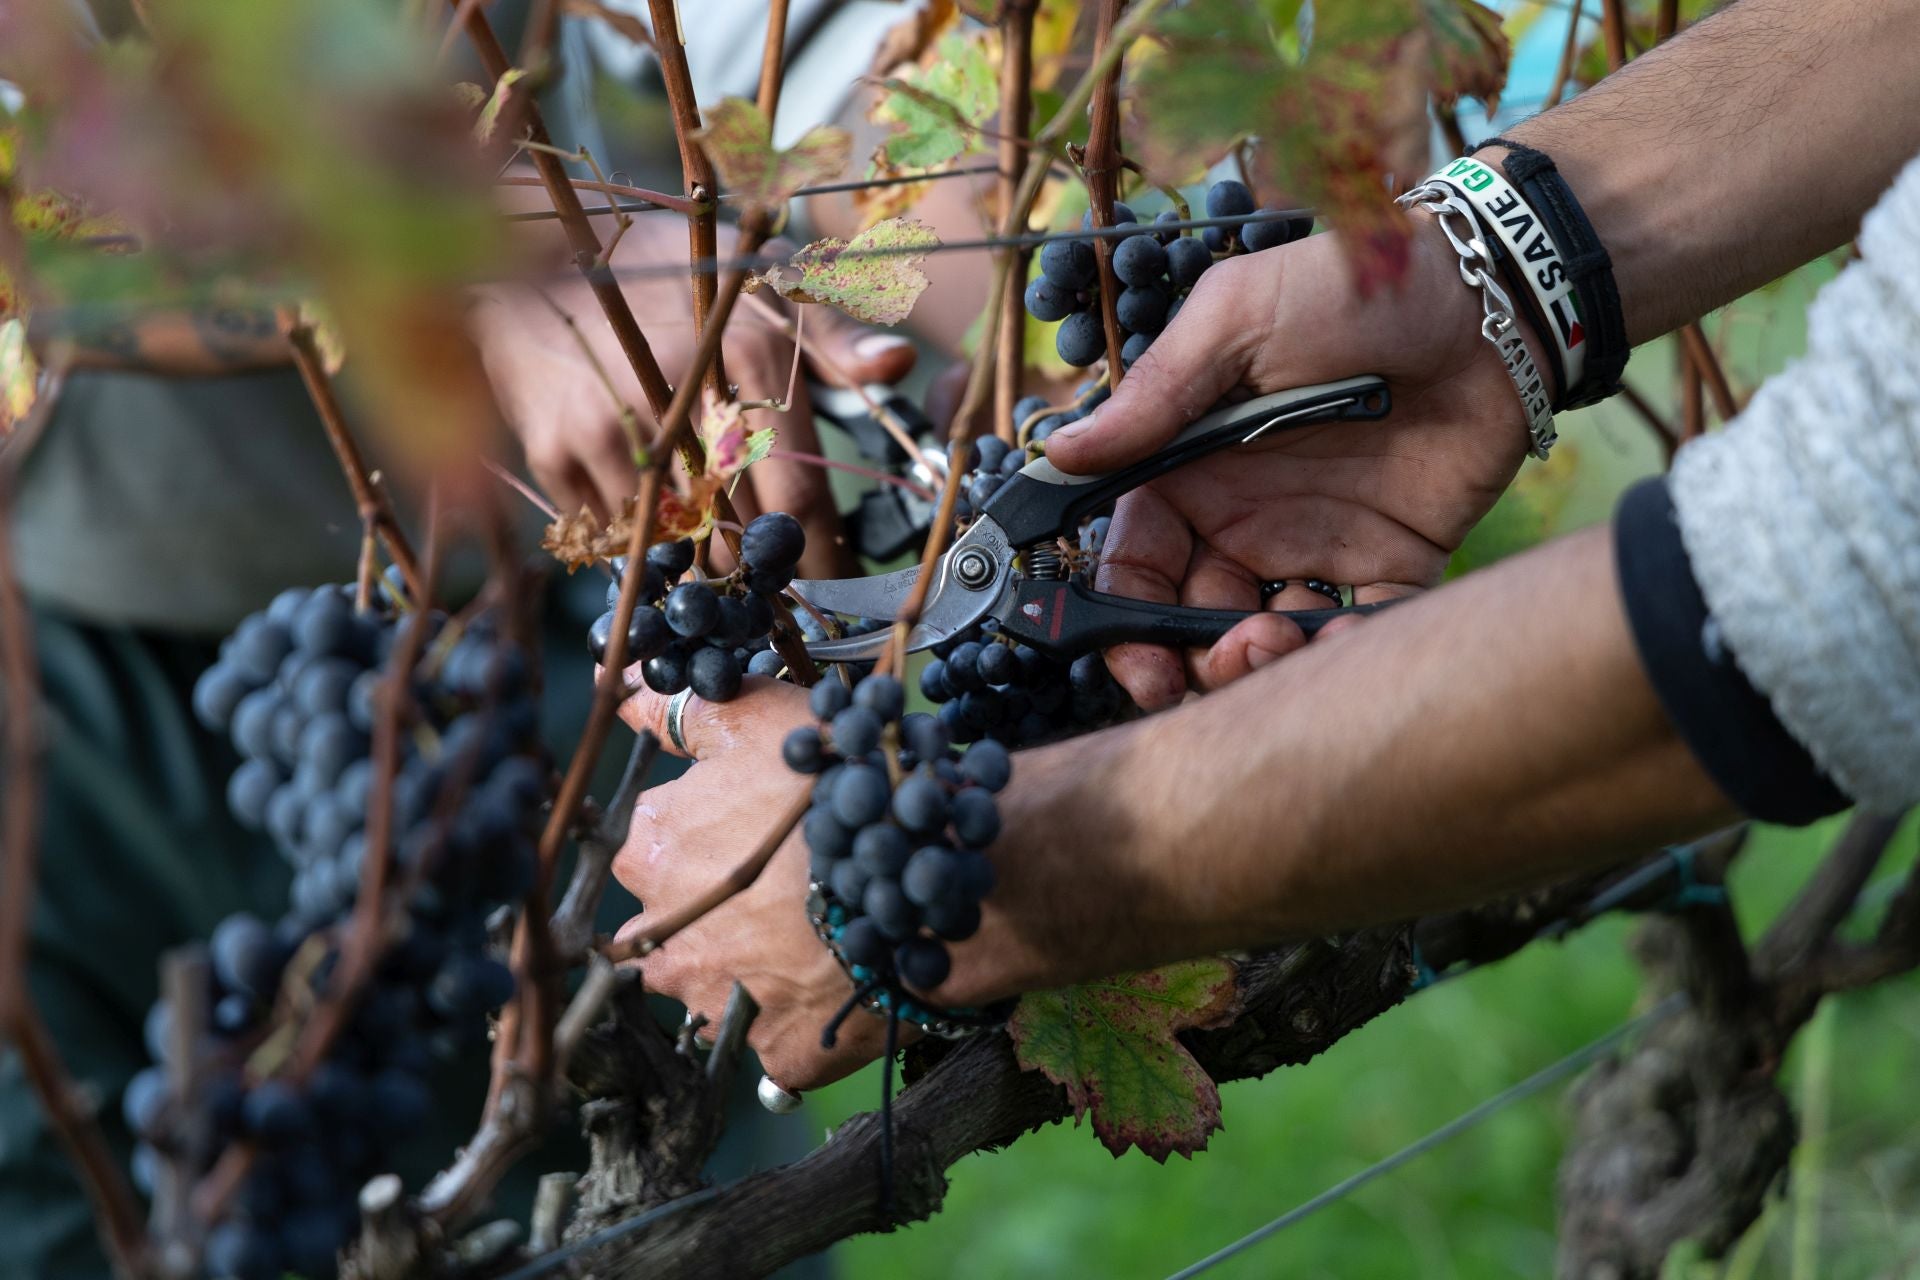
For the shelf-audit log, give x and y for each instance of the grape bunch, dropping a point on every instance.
(1155, 270)
(993, 689)
(704, 634)
(296, 687)
(898, 865)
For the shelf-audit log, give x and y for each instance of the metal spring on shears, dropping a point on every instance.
(1044, 562)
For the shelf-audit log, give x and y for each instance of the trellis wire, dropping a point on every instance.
(1540, 1080)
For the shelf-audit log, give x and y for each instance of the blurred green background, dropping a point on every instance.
(1481, 1207)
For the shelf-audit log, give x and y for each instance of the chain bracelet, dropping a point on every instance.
(948, 1024)
(1453, 214)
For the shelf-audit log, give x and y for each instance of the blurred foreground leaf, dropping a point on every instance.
(739, 141)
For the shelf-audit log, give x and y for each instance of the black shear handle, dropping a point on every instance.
(1068, 619)
(1042, 502)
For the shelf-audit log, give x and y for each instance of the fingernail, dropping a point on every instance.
(1258, 657)
(876, 345)
(1073, 429)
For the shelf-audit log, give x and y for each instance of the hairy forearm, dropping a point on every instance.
(202, 340)
(1496, 733)
(1747, 145)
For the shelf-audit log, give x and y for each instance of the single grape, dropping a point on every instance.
(1080, 339)
(923, 735)
(144, 1103)
(692, 609)
(246, 957)
(922, 963)
(976, 818)
(1136, 346)
(1219, 240)
(1089, 674)
(803, 751)
(250, 789)
(217, 694)
(1047, 302)
(856, 731)
(714, 674)
(1122, 214)
(997, 664)
(882, 695)
(1143, 310)
(963, 667)
(773, 542)
(1139, 261)
(671, 558)
(848, 881)
(1229, 198)
(826, 835)
(666, 673)
(887, 907)
(920, 805)
(323, 686)
(324, 624)
(882, 849)
(955, 919)
(1025, 408)
(933, 872)
(860, 795)
(1187, 261)
(1068, 264)
(1161, 219)
(864, 944)
(987, 764)
(1268, 233)
(933, 681)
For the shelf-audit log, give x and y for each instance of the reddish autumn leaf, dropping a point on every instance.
(1112, 1046)
(730, 444)
(1325, 107)
(1468, 52)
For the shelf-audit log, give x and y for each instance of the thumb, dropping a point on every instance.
(842, 352)
(1202, 355)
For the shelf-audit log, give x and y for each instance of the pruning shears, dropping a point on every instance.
(981, 575)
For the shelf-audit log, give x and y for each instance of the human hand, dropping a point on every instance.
(1379, 505)
(688, 835)
(563, 387)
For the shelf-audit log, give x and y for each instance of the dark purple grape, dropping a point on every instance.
(860, 795)
(987, 764)
(803, 751)
(671, 558)
(888, 908)
(955, 919)
(849, 881)
(692, 609)
(1229, 198)
(1187, 261)
(933, 682)
(666, 673)
(1068, 265)
(920, 805)
(246, 956)
(826, 835)
(1135, 346)
(275, 1115)
(217, 693)
(773, 542)
(882, 695)
(997, 664)
(1139, 261)
(250, 789)
(829, 698)
(856, 731)
(714, 674)
(1267, 233)
(976, 818)
(1143, 310)
(864, 944)
(1080, 340)
(924, 735)
(1047, 302)
(933, 873)
(922, 963)
(882, 849)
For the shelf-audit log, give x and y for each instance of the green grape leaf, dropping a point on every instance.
(935, 110)
(19, 375)
(875, 277)
(739, 141)
(1469, 53)
(1113, 1046)
(1329, 109)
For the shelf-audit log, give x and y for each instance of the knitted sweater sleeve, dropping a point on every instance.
(1802, 521)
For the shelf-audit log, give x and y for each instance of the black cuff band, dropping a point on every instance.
(1588, 267)
(1723, 719)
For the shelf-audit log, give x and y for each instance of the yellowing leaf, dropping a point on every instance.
(1112, 1046)
(731, 446)
(1469, 53)
(875, 277)
(19, 375)
(739, 142)
(935, 110)
(909, 39)
(496, 102)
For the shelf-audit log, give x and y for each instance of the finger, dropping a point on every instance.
(1215, 582)
(1189, 367)
(1261, 639)
(1147, 551)
(608, 466)
(759, 717)
(566, 484)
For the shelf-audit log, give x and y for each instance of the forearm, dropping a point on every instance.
(1494, 734)
(1747, 145)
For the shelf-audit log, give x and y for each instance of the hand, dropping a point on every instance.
(1377, 505)
(569, 423)
(689, 834)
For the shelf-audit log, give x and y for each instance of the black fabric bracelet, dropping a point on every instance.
(1727, 723)
(1588, 267)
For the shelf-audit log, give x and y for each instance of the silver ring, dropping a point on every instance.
(780, 1101)
(676, 709)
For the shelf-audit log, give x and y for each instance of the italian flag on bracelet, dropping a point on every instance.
(1507, 214)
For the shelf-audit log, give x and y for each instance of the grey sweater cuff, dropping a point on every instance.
(1802, 521)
